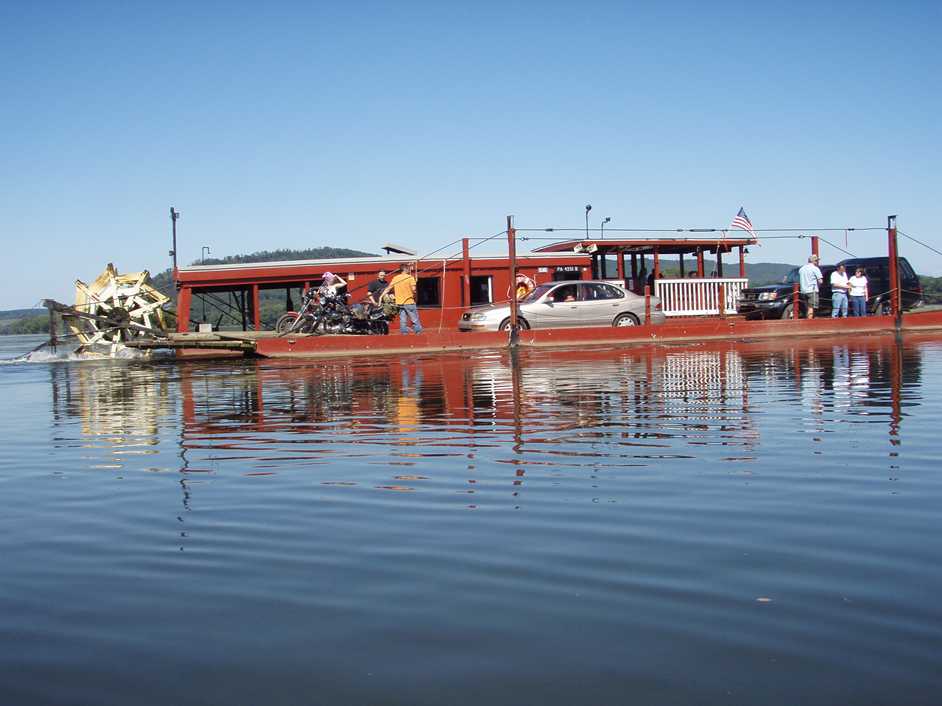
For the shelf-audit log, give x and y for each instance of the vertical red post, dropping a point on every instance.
(795, 296)
(256, 309)
(657, 263)
(893, 253)
(721, 299)
(466, 266)
(814, 246)
(647, 304)
(621, 265)
(700, 263)
(184, 297)
(512, 265)
(742, 262)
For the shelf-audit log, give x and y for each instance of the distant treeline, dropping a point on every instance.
(931, 289)
(30, 323)
(323, 253)
(163, 281)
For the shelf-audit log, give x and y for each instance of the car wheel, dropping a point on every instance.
(626, 319)
(521, 323)
(789, 311)
(882, 308)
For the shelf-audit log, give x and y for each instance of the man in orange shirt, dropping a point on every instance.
(403, 287)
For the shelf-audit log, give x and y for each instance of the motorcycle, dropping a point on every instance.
(325, 313)
(301, 321)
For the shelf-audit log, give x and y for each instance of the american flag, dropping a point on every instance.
(742, 222)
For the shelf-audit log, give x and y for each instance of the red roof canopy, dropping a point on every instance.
(647, 246)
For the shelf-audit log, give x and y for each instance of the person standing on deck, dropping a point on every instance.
(839, 287)
(809, 281)
(377, 288)
(858, 293)
(403, 286)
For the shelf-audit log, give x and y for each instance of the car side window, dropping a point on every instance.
(906, 269)
(565, 293)
(592, 292)
(602, 292)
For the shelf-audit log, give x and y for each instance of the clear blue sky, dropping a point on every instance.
(301, 124)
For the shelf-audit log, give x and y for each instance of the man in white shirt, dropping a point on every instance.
(809, 281)
(839, 287)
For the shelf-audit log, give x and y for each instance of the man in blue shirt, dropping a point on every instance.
(809, 280)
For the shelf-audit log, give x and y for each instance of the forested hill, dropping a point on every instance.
(323, 253)
(164, 282)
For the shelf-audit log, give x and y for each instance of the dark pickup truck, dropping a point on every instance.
(774, 301)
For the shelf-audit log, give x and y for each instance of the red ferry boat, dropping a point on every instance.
(698, 306)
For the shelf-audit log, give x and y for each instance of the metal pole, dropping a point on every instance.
(466, 265)
(174, 215)
(814, 246)
(895, 300)
(512, 250)
(588, 207)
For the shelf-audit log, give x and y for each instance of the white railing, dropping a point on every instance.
(697, 297)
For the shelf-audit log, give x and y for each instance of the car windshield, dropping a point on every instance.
(538, 292)
(791, 277)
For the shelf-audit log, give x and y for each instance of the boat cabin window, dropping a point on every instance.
(481, 290)
(428, 291)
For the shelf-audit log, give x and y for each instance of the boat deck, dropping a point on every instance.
(270, 344)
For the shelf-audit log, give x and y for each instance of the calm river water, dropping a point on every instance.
(732, 524)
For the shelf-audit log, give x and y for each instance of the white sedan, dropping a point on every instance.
(569, 303)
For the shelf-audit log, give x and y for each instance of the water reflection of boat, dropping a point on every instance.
(250, 405)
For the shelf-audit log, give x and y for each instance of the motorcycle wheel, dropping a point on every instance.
(285, 322)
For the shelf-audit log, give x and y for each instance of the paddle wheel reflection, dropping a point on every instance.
(120, 407)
